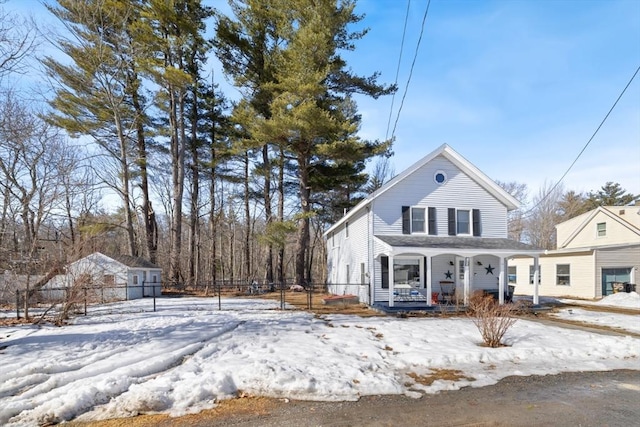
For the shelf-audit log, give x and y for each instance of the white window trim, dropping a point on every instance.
(598, 236)
(470, 217)
(569, 275)
(425, 224)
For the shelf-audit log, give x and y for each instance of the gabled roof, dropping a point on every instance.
(134, 261)
(608, 211)
(125, 260)
(454, 157)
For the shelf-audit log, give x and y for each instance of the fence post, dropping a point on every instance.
(281, 295)
(309, 296)
(219, 297)
(18, 304)
(154, 296)
(85, 300)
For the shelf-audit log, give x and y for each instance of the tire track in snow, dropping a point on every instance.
(64, 395)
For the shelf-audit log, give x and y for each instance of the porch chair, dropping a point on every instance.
(448, 291)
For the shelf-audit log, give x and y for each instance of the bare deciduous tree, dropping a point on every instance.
(544, 216)
(17, 42)
(516, 224)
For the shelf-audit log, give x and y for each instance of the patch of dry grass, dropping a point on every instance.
(300, 301)
(438, 374)
(226, 408)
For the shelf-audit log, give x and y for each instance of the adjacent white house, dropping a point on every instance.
(119, 277)
(597, 252)
(438, 226)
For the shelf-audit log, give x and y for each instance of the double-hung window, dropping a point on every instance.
(602, 229)
(417, 220)
(563, 274)
(512, 274)
(414, 220)
(462, 222)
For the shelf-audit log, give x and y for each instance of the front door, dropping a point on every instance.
(459, 275)
(614, 275)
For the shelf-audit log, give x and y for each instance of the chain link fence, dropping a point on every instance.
(76, 299)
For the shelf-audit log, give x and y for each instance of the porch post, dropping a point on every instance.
(391, 279)
(467, 281)
(428, 275)
(501, 282)
(536, 279)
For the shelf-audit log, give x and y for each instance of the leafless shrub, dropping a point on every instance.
(492, 320)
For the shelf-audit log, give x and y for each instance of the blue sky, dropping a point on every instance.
(516, 87)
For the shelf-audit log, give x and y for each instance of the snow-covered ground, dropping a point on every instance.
(626, 322)
(621, 300)
(121, 360)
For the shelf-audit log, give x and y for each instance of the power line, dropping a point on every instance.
(413, 63)
(585, 146)
(404, 31)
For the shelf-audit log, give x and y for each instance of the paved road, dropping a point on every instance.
(571, 399)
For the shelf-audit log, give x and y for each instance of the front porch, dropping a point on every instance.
(422, 271)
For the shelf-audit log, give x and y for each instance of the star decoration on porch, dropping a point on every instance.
(489, 269)
(448, 274)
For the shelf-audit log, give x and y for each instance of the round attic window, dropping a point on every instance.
(440, 177)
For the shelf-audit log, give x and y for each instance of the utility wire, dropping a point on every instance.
(585, 146)
(404, 32)
(415, 56)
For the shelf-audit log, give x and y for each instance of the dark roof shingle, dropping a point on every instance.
(455, 242)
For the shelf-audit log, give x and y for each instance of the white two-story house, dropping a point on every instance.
(597, 253)
(439, 225)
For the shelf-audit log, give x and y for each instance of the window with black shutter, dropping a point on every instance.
(477, 230)
(406, 220)
(384, 267)
(432, 222)
(452, 221)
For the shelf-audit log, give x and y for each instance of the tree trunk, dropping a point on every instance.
(194, 215)
(281, 213)
(266, 164)
(302, 238)
(125, 193)
(247, 220)
(148, 216)
(177, 177)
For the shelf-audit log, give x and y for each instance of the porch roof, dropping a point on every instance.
(456, 243)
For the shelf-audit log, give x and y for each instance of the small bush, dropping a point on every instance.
(492, 320)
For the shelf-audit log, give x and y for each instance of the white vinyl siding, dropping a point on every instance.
(420, 190)
(348, 251)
